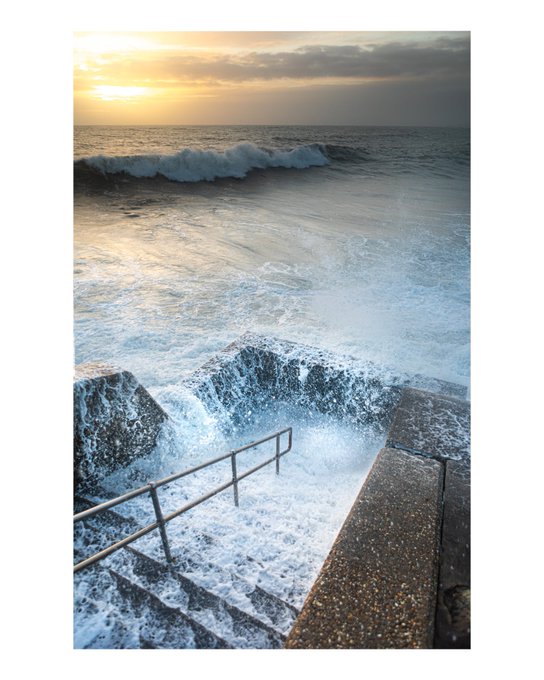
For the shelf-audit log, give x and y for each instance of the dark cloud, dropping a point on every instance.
(444, 57)
(388, 61)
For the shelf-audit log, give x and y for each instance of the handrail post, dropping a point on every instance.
(160, 521)
(277, 454)
(234, 477)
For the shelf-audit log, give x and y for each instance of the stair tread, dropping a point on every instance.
(239, 591)
(163, 625)
(131, 617)
(263, 576)
(200, 539)
(245, 565)
(201, 605)
(197, 604)
(99, 622)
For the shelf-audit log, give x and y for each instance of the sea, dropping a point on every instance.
(351, 239)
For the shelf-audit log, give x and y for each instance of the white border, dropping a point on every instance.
(37, 353)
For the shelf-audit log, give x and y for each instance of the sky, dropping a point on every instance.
(275, 78)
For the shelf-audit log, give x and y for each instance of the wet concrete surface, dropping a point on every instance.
(398, 575)
(452, 629)
(432, 425)
(377, 587)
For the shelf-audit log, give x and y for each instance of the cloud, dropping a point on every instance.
(444, 57)
(394, 79)
(352, 61)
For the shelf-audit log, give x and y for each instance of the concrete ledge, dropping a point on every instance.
(377, 587)
(431, 425)
(453, 602)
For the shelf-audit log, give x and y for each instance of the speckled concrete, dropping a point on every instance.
(431, 425)
(377, 588)
(437, 426)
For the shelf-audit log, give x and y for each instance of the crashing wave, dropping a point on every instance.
(195, 165)
(255, 371)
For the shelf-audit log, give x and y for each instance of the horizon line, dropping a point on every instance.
(419, 125)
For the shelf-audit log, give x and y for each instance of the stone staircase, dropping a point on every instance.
(397, 575)
(135, 599)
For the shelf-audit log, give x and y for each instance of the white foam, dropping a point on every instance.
(286, 522)
(195, 165)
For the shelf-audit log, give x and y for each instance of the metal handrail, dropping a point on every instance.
(152, 487)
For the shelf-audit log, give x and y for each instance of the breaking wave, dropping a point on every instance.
(196, 165)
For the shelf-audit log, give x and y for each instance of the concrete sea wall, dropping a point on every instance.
(398, 574)
(259, 370)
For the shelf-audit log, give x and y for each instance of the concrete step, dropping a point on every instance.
(113, 613)
(239, 591)
(116, 635)
(98, 532)
(164, 626)
(174, 589)
(211, 549)
(282, 583)
(197, 565)
(99, 627)
(234, 609)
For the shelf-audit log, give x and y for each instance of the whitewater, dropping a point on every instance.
(193, 165)
(362, 248)
(351, 240)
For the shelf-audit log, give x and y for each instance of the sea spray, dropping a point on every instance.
(195, 165)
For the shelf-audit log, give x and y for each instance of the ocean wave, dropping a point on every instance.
(196, 165)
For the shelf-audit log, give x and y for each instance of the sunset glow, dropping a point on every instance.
(271, 77)
(119, 92)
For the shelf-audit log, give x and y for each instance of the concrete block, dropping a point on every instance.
(377, 587)
(115, 421)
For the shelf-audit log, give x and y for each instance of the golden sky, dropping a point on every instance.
(272, 78)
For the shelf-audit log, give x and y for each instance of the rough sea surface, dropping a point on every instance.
(352, 239)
